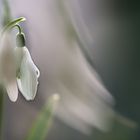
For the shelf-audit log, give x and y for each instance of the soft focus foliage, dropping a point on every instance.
(88, 52)
(42, 124)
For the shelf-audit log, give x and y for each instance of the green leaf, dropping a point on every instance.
(42, 124)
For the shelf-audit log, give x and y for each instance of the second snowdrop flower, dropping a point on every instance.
(8, 67)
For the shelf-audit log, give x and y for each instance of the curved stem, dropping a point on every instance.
(12, 24)
(19, 28)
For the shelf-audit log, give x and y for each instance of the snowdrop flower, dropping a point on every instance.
(8, 67)
(17, 69)
(27, 72)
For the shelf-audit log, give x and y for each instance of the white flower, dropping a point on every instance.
(28, 73)
(8, 67)
(17, 70)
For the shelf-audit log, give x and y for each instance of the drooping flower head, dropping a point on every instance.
(17, 68)
(28, 72)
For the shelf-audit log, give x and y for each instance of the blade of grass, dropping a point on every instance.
(42, 124)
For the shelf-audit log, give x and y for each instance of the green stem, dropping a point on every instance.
(1, 110)
(6, 26)
(13, 24)
(42, 124)
(19, 28)
(7, 12)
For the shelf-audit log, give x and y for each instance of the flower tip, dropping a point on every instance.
(12, 91)
(13, 98)
(29, 98)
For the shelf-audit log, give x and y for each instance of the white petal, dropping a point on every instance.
(8, 66)
(19, 53)
(12, 90)
(29, 74)
(7, 58)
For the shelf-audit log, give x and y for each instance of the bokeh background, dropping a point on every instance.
(107, 32)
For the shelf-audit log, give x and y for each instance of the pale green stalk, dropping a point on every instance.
(43, 122)
(6, 12)
(7, 25)
(5, 19)
(1, 110)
